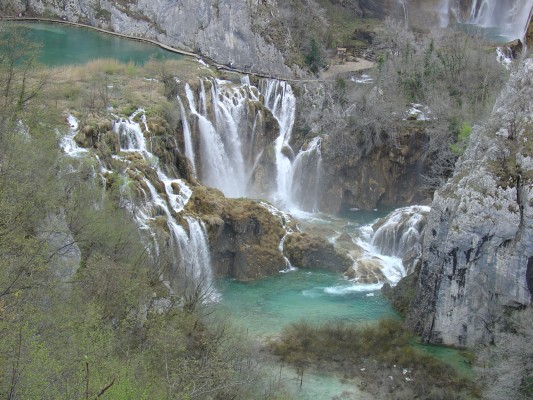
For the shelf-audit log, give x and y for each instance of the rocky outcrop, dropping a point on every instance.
(244, 236)
(478, 246)
(308, 251)
(387, 176)
(529, 32)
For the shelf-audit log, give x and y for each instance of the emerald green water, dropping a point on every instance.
(67, 45)
(263, 307)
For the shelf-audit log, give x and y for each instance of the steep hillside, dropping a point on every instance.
(266, 36)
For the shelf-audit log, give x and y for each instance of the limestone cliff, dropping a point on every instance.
(387, 176)
(478, 247)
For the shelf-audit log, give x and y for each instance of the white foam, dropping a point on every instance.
(341, 290)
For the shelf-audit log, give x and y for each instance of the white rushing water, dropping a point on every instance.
(401, 231)
(230, 148)
(67, 142)
(191, 261)
(509, 18)
(403, 5)
(305, 177)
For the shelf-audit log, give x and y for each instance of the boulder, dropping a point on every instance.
(244, 235)
(308, 251)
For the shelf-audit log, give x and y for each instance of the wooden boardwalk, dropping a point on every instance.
(166, 47)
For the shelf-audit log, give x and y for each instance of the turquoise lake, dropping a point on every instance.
(67, 45)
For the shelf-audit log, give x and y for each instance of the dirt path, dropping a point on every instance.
(349, 66)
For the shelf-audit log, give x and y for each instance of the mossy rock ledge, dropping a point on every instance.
(244, 236)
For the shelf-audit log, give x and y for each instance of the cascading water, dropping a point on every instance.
(285, 221)
(401, 231)
(217, 169)
(403, 4)
(192, 249)
(67, 142)
(509, 17)
(190, 256)
(396, 242)
(230, 145)
(305, 178)
(280, 100)
(187, 137)
(443, 12)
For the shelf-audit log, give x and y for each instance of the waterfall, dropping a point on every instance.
(390, 248)
(510, 18)
(443, 12)
(217, 169)
(305, 179)
(280, 100)
(401, 231)
(285, 221)
(231, 143)
(191, 258)
(187, 137)
(67, 142)
(403, 4)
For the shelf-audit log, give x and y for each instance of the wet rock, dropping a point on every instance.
(307, 251)
(385, 177)
(366, 270)
(244, 236)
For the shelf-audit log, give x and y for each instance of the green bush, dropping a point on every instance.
(370, 352)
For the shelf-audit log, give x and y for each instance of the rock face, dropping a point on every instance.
(257, 36)
(244, 236)
(388, 176)
(223, 30)
(307, 251)
(478, 246)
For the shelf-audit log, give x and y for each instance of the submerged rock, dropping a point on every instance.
(477, 255)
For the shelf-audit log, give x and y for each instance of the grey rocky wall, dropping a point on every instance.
(478, 247)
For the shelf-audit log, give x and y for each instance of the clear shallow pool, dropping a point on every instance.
(68, 45)
(263, 307)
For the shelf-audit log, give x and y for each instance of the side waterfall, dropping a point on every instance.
(390, 247)
(510, 18)
(401, 231)
(191, 262)
(160, 197)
